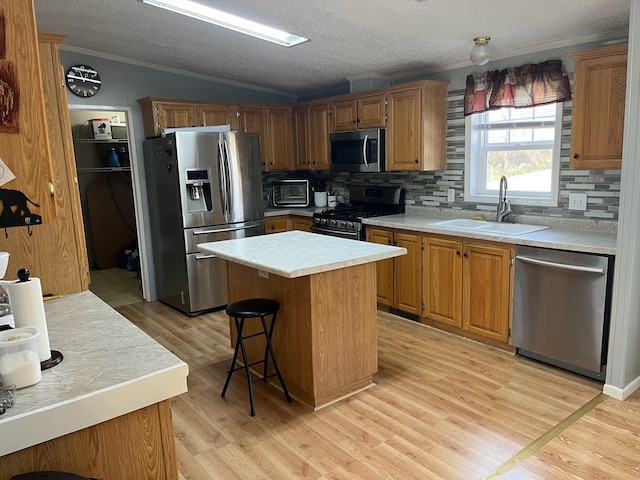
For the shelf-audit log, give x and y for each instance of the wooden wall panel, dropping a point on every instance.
(56, 252)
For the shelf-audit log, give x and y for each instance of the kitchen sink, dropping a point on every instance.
(464, 223)
(489, 227)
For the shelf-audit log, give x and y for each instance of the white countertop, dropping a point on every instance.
(582, 240)
(296, 254)
(110, 368)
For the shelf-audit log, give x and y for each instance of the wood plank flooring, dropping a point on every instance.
(443, 407)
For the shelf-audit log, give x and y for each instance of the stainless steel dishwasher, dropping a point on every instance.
(561, 308)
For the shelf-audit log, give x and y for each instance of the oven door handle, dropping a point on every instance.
(364, 150)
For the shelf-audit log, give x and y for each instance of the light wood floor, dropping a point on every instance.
(443, 407)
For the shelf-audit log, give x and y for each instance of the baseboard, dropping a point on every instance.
(621, 393)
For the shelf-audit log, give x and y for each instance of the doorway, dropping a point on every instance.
(105, 163)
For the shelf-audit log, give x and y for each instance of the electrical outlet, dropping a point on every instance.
(577, 201)
(451, 195)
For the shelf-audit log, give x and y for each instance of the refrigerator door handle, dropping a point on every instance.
(223, 181)
(227, 176)
(205, 257)
(229, 229)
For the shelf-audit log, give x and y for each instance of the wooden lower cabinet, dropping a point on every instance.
(301, 223)
(276, 224)
(399, 283)
(468, 285)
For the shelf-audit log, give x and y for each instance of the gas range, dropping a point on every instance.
(346, 220)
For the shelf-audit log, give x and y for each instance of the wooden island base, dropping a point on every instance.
(136, 445)
(325, 337)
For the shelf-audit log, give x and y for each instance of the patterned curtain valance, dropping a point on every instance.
(525, 86)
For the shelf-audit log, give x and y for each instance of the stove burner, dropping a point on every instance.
(346, 220)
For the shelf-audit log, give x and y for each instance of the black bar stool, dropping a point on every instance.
(254, 308)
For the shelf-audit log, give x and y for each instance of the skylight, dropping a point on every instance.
(227, 20)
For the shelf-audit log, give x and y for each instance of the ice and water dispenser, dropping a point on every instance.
(198, 191)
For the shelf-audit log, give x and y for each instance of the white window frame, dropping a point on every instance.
(476, 168)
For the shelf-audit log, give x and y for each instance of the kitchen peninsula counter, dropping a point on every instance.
(105, 410)
(326, 332)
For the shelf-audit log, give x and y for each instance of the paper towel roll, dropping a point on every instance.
(28, 311)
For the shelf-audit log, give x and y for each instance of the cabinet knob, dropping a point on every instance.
(353, 121)
(465, 255)
(457, 252)
(576, 156)
(416, 160)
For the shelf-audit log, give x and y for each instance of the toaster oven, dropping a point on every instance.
(290, 193)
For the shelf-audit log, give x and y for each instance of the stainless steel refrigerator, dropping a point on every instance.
(202, 187)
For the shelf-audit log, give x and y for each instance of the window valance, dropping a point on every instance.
(525, 86)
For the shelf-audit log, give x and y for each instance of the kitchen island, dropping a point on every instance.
(326, 332)
(105, 411)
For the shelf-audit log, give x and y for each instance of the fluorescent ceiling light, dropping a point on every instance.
(226, 20)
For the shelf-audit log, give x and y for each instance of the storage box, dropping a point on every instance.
(101, 128)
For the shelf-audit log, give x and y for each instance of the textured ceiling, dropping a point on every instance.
(349, 38)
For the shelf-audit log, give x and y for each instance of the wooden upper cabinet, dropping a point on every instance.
(158, 114)
(599, 84)
(252, 121)
(416, 127)
(362, 112)
(279, 138)
(24, 136)
(301, 138)
(319, 136)
(223, 114)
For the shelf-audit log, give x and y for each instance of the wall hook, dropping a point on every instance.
(6, 233)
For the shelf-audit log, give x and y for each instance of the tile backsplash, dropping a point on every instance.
(430, 188)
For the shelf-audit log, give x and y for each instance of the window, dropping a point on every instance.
(521, 143)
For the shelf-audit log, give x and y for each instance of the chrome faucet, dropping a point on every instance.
(504, 206)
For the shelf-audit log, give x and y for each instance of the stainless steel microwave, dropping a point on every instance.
(358, 151)
(290, 193)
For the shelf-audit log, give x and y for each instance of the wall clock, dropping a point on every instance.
(83, 80)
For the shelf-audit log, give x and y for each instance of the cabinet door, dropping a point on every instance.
(408, 274)
(301, 140)
(599, 81)
(279, 138)
(404, 131)
(384, 268)
(442, 290)
(344, 115)
(276, 224)
(301, 223)
(210, 115)
(319, 136)
(487, 287)
(175, 115)
(371, 111)
(252, 121)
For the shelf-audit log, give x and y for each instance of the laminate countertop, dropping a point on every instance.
(110, 368)
(558, 236)
(296, 253)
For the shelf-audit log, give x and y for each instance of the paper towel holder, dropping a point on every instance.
(56, 356)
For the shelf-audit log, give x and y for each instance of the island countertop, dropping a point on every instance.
(296, 254)
(110, 368)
